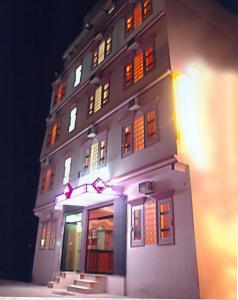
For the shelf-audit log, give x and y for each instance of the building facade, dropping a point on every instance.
(115, 195)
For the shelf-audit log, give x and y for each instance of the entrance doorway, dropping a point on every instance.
(72, 243)
(100, 241)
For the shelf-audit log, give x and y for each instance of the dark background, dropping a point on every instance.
(33, 37)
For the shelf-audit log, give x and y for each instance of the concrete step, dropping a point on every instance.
(86, 282)
(80, 289)
(52, 284)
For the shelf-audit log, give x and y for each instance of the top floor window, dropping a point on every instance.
(54, 134)
(78, 74)
(102, 51)
(73, 117)
(139, 13)
(60, 92)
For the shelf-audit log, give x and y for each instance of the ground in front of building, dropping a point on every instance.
(23, 289)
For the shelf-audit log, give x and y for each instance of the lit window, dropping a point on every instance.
(102, 153)
(137, 15)
(60, 92)
(73, 116)
(150, 222)
(47, 180)
(103, 50)
(127, 143)
(142, 63)
(67, 166)
(165, 222)
(48, 235)
(78, 74)
(93, 157)
(143, 129)
(142, 10)
(147, 7)
(43, 235)
(151, 127)
(137, 232)
(149, 58)
(128, 75)
(138, 66)
(139, 134)
(54, 134)
(99, 98)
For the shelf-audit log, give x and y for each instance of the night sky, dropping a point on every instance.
(33, 37)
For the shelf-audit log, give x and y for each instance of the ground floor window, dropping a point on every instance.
(152, 222)
(100, 240)
(48, 235)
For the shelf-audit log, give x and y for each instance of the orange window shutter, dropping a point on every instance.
(149, 58)
(138, 66)
(53, 134)
(128, 74)
(137, 15)
(139, 142)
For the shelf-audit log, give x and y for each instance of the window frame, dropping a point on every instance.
(141, 242)
(76, 83)
(170, 240)
(65, 181)
(95, 52)
(62, 85)
(48, 187)
(131, 139)
(70, 119)
(49, 242)
(131, 14)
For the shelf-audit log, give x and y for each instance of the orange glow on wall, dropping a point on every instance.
(205, 115)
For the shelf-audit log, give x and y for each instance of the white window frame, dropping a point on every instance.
(136, 243)
(67, 167)
(73, 118)
(78, 75)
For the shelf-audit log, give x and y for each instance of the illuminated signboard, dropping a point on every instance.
(99, 185)
(68, 190)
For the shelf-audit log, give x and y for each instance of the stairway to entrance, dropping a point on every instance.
(79, 283)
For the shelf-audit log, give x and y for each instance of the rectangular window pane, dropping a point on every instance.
(95, 58)
(73, 114)
(105, 93)
(54, 134)
(108, 45)
(150, 222)
(138, 66)
(78, 74)
(94, 157)
(165, 222)
(53, 234)
(149, 58)
(67, 166)
(101, 52)
(128, 75)
(91, 105)
(102, 152)
(137, 15)
(139, 134)
(86, 160)
(151, 127)
(127, 140)
(98, 99)
(43, 235)
(137, 232)
(147, 7)
(129, 24)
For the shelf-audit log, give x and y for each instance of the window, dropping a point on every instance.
(138, 15)
(103, 50)
(137, 229)
(95, 156)
(54, 134)
(140, 133)
(149, 227)
(47, 180)
(60, 92)
(165, 222)
(142, 63)
(48, 235)
(99, 98)
(78, 74)
(67, 166)
(73, 116)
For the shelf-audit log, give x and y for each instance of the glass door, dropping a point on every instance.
(100, 241)
(72, 243)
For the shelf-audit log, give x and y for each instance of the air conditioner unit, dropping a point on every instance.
(146, 187)
(132, 45)
(134, 104)
(91, 133)
(95, 80)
